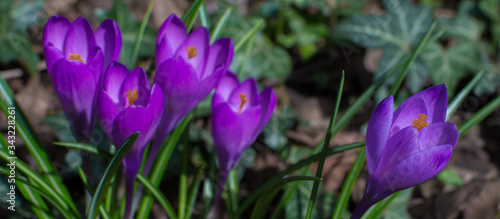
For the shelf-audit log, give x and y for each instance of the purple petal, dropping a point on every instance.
(248, 88)
(418, 168)
(55, 31)
(75, 86)
(156, 104)
(250, 123)
(442, 133)
(171, 35)
(109, 39)
(406, 113)
(80, 39)
(399, 146)
(129, 121)
(436, 100)
(113, 80)
(219, 57)
(180, 86)
(227, 132)
(52, 55)
(377, 132)
(267, 103)
(227, 84)
(199, 39)
(107, 111)
(96, 64)
(136, 80)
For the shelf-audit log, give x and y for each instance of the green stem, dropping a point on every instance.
(183, 181)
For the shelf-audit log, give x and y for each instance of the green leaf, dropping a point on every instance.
(449, 178)
(265, 200)
(297, 207)
(397, 31)
(398, 206)
(108, 175)
(449, 65)
(462, 26)
(60, 124)
(158, 195)
(274, 131)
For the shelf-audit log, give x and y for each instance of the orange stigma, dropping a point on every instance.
(420, 123)
(192, 52)
(132, 96)
(76, 57)
(243, 98)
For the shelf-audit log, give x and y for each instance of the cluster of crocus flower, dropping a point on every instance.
(239, 113)
(127, 105)
(408, 146)
(76, 58)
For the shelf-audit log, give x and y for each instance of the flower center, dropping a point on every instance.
(420, 123)
(243, 98)
(132, 96)
(192, 52)
(76, 57)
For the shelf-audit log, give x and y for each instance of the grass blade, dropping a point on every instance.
(140, 34)
(479, 116)
(108, 174)
(190, 15)
(161, 164)
(328, 136)
(183, 178)
(158, 195)
(345, 193)
(86, 147)
(460, 97)
(204, 19)
(193, 191)
(220, 25)
(249, 35)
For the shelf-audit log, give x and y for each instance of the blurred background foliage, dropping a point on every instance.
(297, 35)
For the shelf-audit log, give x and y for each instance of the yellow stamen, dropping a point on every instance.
(75, 57)
(420, 123)
(243, 98)
(192, 52)
(132, 96)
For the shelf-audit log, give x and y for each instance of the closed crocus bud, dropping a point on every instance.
(239, 113)
(126, 105)
(188, 68)
(408, 146)
(76, 58)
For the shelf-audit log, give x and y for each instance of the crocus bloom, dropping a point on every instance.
(239, 113)
(408, 146)
(126, 106)
(188, 68)
(76, 58)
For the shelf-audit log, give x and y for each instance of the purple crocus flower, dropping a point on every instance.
(188, 68)
(239, 113)
(126, 106)
(408, 146)
(76, 59)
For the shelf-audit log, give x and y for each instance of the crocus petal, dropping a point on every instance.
(52, 55)
(72, 80)
(113, 80)
(225, 88)
(55, 31)
(248, 88)
(136, 80)
(436, 99)
(200, 40)
(171, 35)
(129, 121)
(267, 103)
(107, 111)
(398, 147)
(418, 168)
(443, 133)
(377, 132)
(227, 131)
(109, 39)
(156, 104)
(80, 39)
(96, 64)
(406, 113)
(250, 123)
(180, 85)
(219, 57)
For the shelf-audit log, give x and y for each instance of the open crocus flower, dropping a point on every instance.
(408, 146)
(76, 58)
(239, 114)
(188, 68)
(126, 106)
